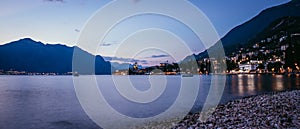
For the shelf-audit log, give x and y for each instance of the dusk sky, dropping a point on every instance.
(61, 21)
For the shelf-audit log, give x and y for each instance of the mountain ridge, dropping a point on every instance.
(33, 56)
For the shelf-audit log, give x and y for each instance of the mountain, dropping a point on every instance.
(282, 26)
(283, 32)
(242, 34)
(31, 56)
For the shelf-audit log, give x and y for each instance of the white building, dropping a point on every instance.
(246, 68)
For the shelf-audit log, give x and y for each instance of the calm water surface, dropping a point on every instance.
(50, 101)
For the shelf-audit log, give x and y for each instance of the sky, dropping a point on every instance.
(62, 21)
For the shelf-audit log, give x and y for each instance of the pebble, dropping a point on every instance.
(275, 110)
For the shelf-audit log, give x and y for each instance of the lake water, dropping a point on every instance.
(50, 101)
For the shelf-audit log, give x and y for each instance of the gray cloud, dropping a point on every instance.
(135, 1)
(106, 44)
(76, 30)
(62, 1)
(159, 56)
(125, 60)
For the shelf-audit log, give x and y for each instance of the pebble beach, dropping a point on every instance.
(272, 110)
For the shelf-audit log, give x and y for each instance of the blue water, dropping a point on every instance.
(35, 102)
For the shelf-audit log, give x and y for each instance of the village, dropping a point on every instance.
(274, 55)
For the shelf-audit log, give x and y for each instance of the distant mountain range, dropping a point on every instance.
(31, 56)
(242, 34)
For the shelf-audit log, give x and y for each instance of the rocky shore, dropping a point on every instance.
(274, 110)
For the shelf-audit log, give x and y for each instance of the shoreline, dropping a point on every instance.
(268, 110)
(51, 74)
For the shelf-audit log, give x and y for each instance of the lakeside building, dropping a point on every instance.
(247, 68)
(135, 69)
(161, 69)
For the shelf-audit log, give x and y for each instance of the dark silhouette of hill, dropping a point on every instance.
(285, 32)
(242, 34)
(31, 56)
(282, 26)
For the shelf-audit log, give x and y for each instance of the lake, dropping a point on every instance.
(51, 102)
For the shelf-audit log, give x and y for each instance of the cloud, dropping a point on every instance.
(123, 60)
(159, 56)
(62, 1)
(135, 1)
(106, 44)
(145, 63)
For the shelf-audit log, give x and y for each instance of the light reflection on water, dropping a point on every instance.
(278, 82)
(298, 83)
(251, 84)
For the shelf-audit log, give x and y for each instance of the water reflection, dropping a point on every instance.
(297, 82)
(246, 84)
(278, 82)
(259, 84)
(241, 84)
(251, 84)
